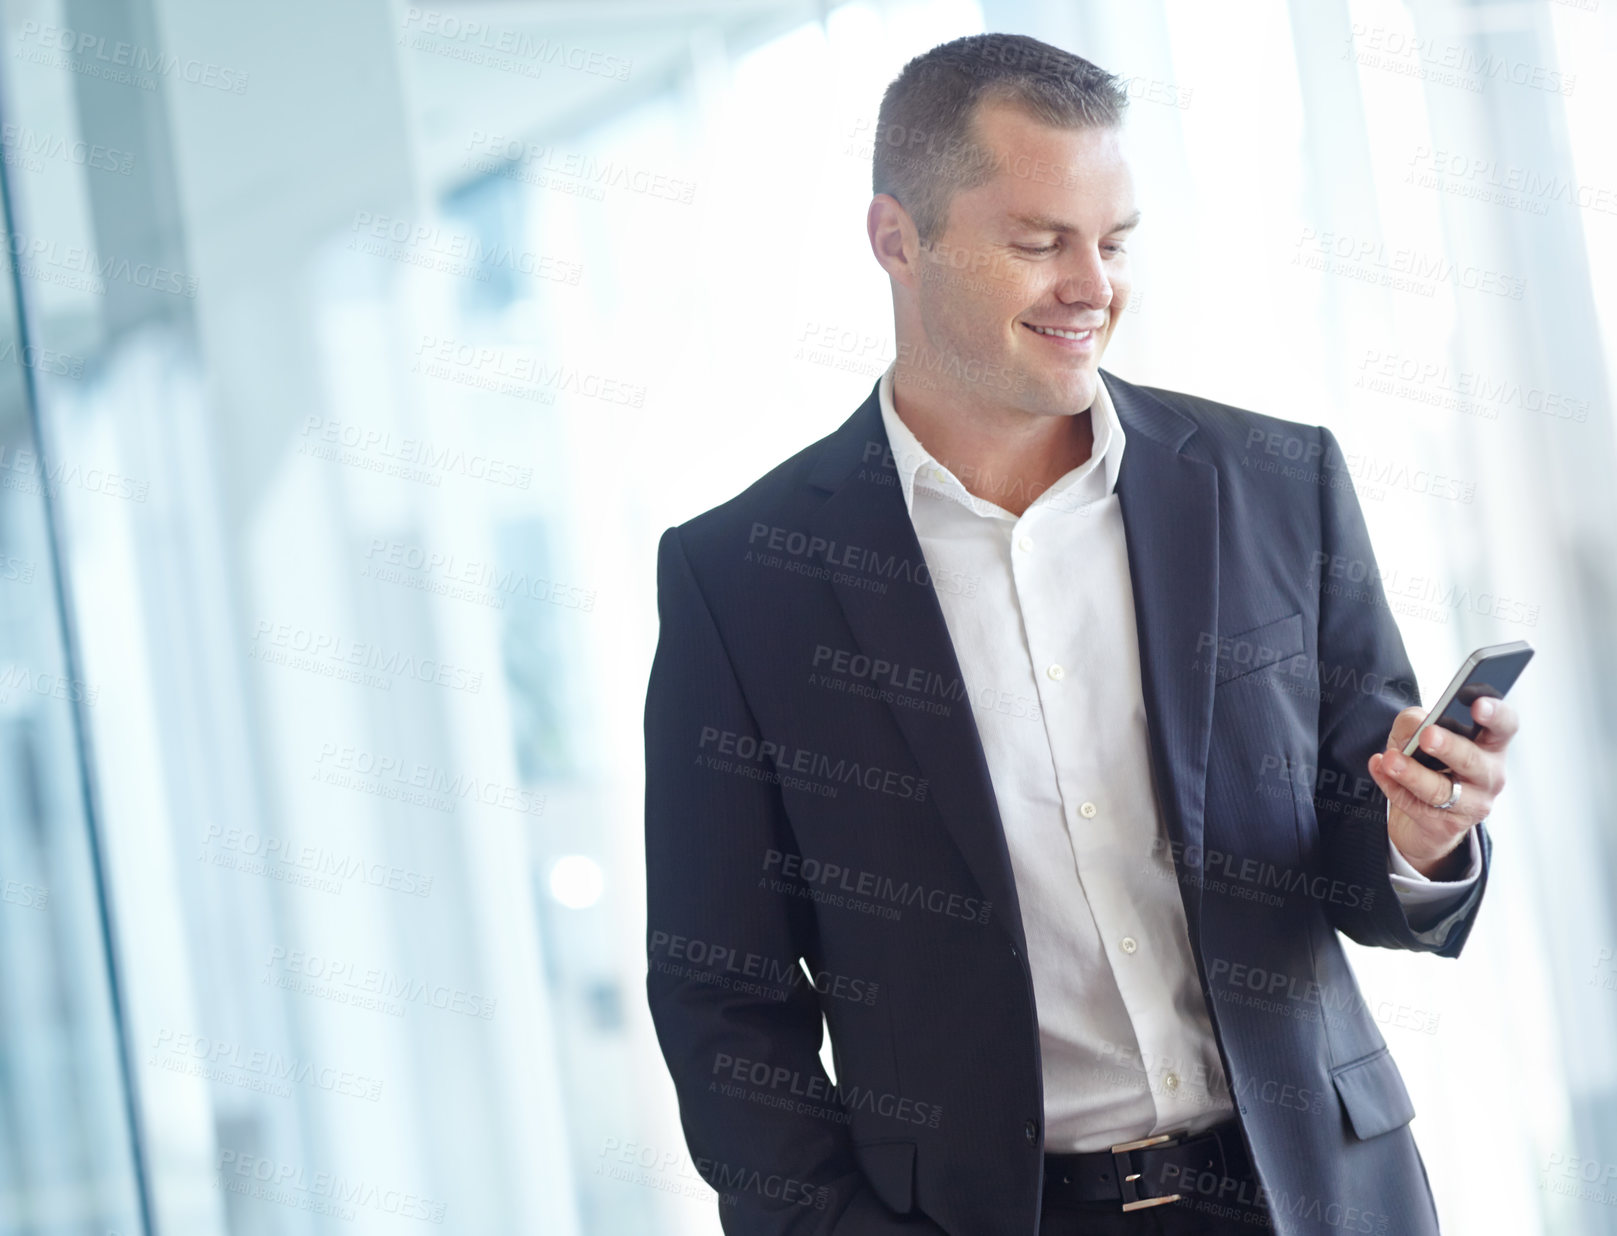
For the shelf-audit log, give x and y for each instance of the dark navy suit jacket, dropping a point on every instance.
(816, 790)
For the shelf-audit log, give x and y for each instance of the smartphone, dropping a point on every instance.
(1487, 672)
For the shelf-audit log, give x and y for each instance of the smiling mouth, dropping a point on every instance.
(1078, 335)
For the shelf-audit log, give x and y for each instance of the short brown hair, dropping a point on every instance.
(925, 148)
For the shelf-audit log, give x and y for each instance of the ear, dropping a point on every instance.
(893, 238)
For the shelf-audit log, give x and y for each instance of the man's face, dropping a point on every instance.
(1037, 249)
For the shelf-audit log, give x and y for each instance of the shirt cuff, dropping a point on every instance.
(1415, 889)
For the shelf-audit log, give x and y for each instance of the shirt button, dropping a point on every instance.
(1171, 1081)
(1087, 811)
(1056, 672)
(1128, 944)
(1031, 1129)
(1025, 544)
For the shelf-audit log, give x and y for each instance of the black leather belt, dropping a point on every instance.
(1146, 1172)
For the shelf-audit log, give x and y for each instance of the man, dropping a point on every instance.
(1026, 732)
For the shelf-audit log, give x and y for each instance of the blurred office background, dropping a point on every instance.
(352, 358)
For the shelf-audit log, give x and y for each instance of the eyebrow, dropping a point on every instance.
(1044, 223)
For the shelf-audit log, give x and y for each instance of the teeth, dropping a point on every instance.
(1064, 334)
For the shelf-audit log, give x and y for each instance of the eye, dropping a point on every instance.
(1114, 248)
(1036, 249)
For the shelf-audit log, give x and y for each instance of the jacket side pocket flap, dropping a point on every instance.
(1373, 1092)
(890, 1169)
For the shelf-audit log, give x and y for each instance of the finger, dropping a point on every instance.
(1438, 823)
(1466, 760)
(1474, 805)
(1498, 720)
(1403, 725)
(1424, 784)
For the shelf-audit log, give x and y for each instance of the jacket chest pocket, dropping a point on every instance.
(1258, 648)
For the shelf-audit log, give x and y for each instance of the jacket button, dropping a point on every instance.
(1031, 1128)
(1013, 951)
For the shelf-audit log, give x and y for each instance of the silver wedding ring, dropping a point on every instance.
(1454, 797)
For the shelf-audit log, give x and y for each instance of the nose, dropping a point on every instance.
(1084, 281)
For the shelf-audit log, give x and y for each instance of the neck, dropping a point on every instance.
(1001, 455)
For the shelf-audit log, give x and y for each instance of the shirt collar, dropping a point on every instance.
(917, 468)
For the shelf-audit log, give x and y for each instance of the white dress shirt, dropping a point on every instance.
(1049, 653)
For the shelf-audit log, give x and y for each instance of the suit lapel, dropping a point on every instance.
(905, 625)
(1170, 518)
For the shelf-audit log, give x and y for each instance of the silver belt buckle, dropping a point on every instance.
(1126, 1175)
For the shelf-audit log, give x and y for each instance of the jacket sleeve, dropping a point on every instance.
(1357, 632)
(759, 1114)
